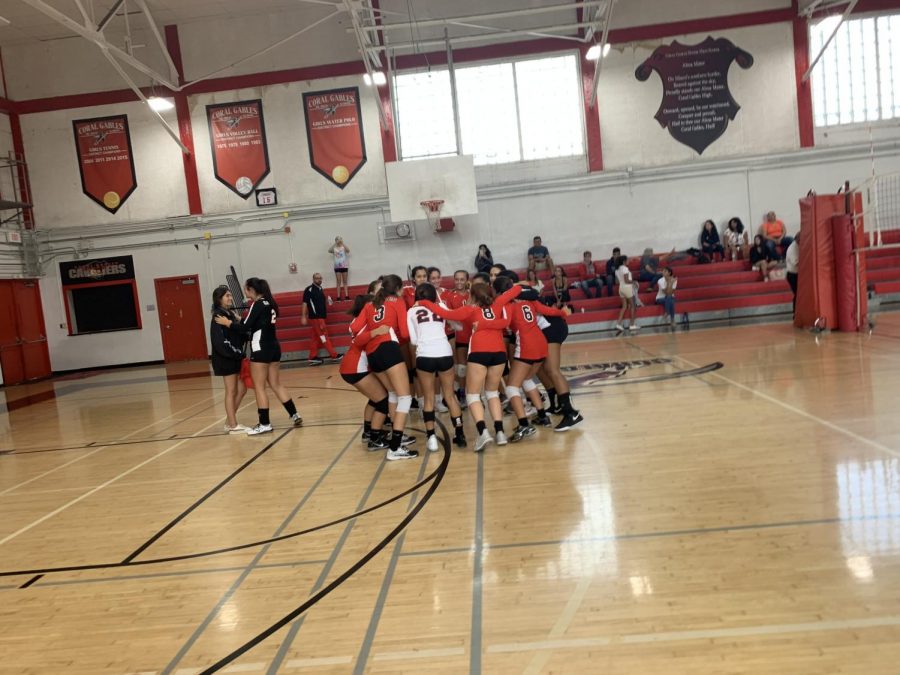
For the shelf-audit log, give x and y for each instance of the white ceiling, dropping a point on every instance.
(28, 24)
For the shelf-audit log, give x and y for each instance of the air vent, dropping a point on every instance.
(390, 232)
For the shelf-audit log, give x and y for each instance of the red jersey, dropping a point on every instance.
(355, 360)
(391, 314)
(487, 322)
(408, 293)
(454, 300)
(530, 341)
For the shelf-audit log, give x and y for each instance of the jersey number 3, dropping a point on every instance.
(379, 314)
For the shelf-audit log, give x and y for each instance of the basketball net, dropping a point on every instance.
(432, 208)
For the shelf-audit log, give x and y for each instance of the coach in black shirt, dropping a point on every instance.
(314, 312)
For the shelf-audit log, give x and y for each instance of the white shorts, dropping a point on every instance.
(626, 291)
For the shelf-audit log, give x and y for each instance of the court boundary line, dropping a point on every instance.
(475, 626)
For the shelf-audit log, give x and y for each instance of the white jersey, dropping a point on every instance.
(428, 333)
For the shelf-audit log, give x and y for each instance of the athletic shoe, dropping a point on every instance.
(461, 398)
(401, 453)
(501, 439)
(620, 327)
(297, 420)
(366, 436)
(569, 421)
(507, 410)
(440, 407)
(459, 441)
(522, 432)
(556, 410)
(432, 444)
(483, 440)
(407, 440)
(260, 429)
(315, 362)
(380, 443)
(335, 359)
(634, 327)
(529, 409)
(236, 429)
(541, 421)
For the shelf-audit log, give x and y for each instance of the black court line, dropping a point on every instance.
(438, 476)
(231, 549)
(184, 514)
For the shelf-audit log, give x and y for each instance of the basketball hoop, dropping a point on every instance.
(432, 208)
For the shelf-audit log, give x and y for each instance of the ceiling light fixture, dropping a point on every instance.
(377, 77)
(160, 104)
(595, 52)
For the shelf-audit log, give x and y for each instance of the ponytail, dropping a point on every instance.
(261, 288)
(390, 286)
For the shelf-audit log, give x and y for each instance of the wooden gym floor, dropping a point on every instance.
(742, 519)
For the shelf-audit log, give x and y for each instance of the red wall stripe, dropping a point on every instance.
(185, 130)
(591, 116)
(804, 89)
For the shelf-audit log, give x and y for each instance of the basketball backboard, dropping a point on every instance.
(416, 180)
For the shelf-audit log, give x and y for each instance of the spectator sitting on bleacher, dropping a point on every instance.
(561, 288)
(737, 241)
(665, 295)
(649, 269)
(532, 278)
(761, 257)
(539, 256)
(590, 276)
(710, 245)
(611, 266)
(484, 260)
(775, 234)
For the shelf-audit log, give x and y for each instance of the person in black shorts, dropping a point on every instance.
(552, 378)
(227, 357)
(265, 352)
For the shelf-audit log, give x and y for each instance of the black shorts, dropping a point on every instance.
(462, 345)
(222, 366)
(556, 333)
(434, 364)
(385, 357)
(488, 359)
(271, 355)
(530, 362)
(340, 270)
(354, 377)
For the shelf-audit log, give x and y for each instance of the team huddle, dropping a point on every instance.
(456, 348)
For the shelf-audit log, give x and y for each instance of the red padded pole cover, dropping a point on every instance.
(844, 272)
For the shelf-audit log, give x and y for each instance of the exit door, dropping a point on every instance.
(181, 319)
(23, 341)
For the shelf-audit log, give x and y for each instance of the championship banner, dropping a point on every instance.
(105, 160)
(697, 103)
(237, 135)
(337, 149)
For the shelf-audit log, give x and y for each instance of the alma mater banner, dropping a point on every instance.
(237, 135)
(337, 149)
(105, 160)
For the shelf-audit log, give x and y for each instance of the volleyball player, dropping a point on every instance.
(434, 357)
(556, 330)
(386, 359)
(454, 299)
(487, 355)
(265, 352)
(354, 370)
(419, 275)
(529, 352)
(227, 357)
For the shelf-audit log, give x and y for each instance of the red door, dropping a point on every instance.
(30, 318)
(23, 341)
(181, 319)
(10, 344)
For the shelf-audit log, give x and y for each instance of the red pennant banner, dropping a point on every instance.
(337, 149)
(237, 134)
(105, 160)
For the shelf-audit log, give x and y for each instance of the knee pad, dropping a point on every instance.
(411, 374)
(513, 392)
(472, 398)
(404, 403)
(428, 416)
(392, 397)
(528, 385)
(460, 369)
(381, 406)
(491, 394)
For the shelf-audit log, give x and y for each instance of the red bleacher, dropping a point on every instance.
(715, 291)
(883, 268)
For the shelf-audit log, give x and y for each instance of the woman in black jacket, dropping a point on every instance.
(227, 356)
(709, 241)
(484, 260)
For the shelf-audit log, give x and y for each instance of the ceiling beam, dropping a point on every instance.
(464, 39)
(173, 71)
(110, 14)
(603, 40)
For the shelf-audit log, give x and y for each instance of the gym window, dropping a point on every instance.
(857, 80)
(514, 111)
